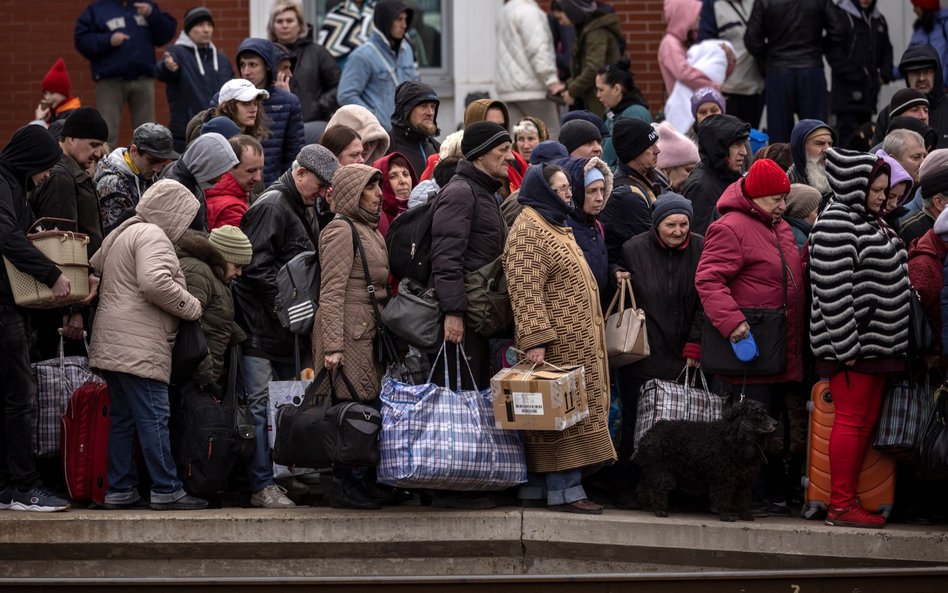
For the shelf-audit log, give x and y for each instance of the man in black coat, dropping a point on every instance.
(24, 162)
(415, 124)
(922, 69)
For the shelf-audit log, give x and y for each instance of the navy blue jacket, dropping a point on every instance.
(586, 229)
(190, 88)
(133, 59)
(283, 109)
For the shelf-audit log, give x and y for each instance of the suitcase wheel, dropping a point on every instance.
(805, 482)
(809, 406)
(812, 510)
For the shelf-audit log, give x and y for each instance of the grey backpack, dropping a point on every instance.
(298, 292)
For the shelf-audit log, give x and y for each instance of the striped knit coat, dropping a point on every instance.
(858, 271)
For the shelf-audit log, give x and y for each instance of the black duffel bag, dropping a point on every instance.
(298, 440)
(350, 432)
(189, 350)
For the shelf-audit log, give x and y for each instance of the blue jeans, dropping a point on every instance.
(257, 374)
(139, 404)
(558, 487)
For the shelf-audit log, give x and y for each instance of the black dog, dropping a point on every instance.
(720, 459)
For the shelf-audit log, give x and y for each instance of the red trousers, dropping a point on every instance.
(858, 400)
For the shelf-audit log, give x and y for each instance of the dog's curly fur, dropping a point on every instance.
(721, 459)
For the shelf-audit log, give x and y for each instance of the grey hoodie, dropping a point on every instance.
(205, 160)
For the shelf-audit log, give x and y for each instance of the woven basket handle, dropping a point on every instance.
(43, 221)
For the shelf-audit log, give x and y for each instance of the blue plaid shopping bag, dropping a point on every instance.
(436, 438)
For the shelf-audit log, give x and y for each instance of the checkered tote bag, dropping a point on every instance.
(904, 416)
(670, 400)
(436, 438)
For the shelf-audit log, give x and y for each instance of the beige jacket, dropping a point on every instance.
(143, 294)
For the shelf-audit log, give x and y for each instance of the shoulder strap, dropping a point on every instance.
(738, 10)
(385, 62)
(369, 286)
(783, 268)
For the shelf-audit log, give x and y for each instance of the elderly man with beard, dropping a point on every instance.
(809, 142)
(415, 123)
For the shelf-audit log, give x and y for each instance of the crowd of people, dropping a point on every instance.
(317, 141)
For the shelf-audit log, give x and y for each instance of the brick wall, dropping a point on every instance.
(35, 35)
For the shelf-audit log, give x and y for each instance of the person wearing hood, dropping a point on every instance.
(616, 90)
(900, 191)
(344, 330)
(921, 66)
(229, 199)
(929, 29)
(750, 260)
(415, 124)
(122, 176)
(545, 152)
(909, 148)
(590, 182)
(681, 22)
(257, 61)
(597, 44)
(933, 176)
(722, 145)
(193, 70)
(200, 167)
(398, 179)
(527, 134)
(809, 142)
(374, 137)
(859, 317)
(315, 73)
(57, 102)
(376, 68)
(558, 320)
(496, 111)
(861, 64)
(119, 40)
(25, 161)
(279, 226)
(803, 205)
(142, 298)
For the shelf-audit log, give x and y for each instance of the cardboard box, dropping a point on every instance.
(542, 398)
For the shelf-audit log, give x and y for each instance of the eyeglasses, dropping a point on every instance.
(564, 190)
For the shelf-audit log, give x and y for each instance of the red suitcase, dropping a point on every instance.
(86, 443)
(876, 489)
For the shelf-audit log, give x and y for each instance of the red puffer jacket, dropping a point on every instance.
(925, 267)
(740, 267)
(226, 203)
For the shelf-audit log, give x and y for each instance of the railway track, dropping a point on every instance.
(857, 580)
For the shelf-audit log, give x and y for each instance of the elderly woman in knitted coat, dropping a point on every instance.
(858, 317)
(558, 319)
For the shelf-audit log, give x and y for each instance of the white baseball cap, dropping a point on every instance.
(241, 90)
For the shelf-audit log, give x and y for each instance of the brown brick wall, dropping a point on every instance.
(35, 34)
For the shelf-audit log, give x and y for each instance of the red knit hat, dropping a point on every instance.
(927, 4)
(57, 79)
(765, 178)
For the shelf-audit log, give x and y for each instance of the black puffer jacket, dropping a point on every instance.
(279, 228)
(467, 232)
(628, 211)
(789, 33)
(405, 139)
(315, 78)
(664, 283)
(922, 56)
(711, 177)
(864, 56)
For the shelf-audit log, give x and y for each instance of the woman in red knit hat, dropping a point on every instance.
(57, 103)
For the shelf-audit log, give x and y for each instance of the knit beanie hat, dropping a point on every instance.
(765, 178)
(547, 151)
(592, 176)
(707, 95)
(481, 137)
(676, 149)
(233, 244)
(631, 137)
(86, 122)
(670, 203)
(196, 16)
(902, 122)
(802, 200)
(222, 125)
(586, 115)
(319, 161)
(904, 100)
(933, 174)
(57, 79)
(927, 4)
(578, 132)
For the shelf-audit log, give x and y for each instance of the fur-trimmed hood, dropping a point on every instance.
(196, 244)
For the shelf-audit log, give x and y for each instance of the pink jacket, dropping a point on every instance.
(680, 16)
(740, 267)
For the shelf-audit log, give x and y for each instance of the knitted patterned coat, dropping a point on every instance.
(556, 304)
(344, 321)
(858, 271)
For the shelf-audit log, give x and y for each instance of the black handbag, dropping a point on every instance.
(298, 428)
(244, 427)
(351, 430)
(769, 328)
(384, 345)
(934, 443)
(922, 338)
(414, 315)
(190, 349)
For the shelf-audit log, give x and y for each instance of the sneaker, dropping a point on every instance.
(6, 497)
(272, 497)
(185, 503)
(39, 499)
(122, 501)
(854, 516)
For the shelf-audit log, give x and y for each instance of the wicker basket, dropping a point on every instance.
(67, 250)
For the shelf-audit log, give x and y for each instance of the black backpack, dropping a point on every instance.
(409, 244)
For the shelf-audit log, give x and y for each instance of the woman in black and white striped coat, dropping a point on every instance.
(859, 316)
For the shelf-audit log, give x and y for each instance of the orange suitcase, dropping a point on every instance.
(876, 488)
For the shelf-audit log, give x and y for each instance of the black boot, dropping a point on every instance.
(348, 493)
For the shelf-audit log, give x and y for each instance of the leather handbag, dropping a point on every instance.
(626, 332)
(244, 427)
(190, 348)
(488, 302)
(922, 337)
(414, 315)
(298, 426)
(350, 430)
